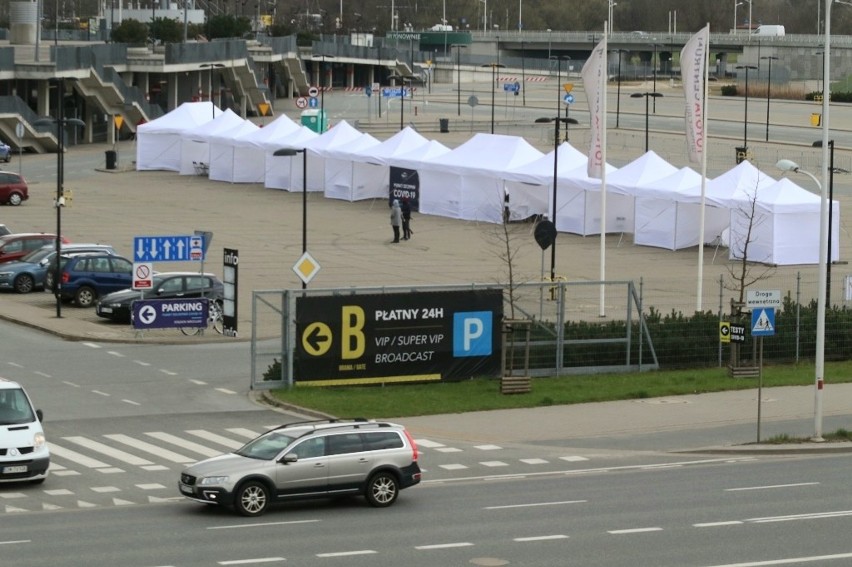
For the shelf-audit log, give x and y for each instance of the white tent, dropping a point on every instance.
(249, 150)
(662, 218)
(370, 174)
(195, 142)
(284, 172)
(340, 169)
(415, 158)
(578, 202)
(530, 185)
(726, 192)
(466, 182)
(626, 183)
(341, 135)
(783, 228)
(222, 162)
(158, 141)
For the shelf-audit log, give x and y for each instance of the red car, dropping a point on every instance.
(16, 246)
(13, 188)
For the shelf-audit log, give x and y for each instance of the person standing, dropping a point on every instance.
(395, 220)
(406, 218)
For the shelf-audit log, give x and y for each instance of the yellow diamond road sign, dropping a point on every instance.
(306, 267)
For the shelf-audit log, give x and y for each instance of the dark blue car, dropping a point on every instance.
(88, 276)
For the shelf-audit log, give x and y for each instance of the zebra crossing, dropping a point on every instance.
(121, 469)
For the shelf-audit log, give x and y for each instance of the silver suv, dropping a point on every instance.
(310, 459)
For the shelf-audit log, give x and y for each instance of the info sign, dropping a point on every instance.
(397, 337)
(170, 313)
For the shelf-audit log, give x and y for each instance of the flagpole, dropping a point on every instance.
(699, 294)
(602, 86)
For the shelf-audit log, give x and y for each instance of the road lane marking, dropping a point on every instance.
(15, 541)
(142, 363)
(788, 561)
(771, 486)
(91, 345)
(541, 538)
(131, 402)
(242, 432)
(251, 561)
(443, 545)
(534, 504)
(115, 353)
(229, 443)
(184, 443)
(261, 525)
(151, 448)
(793, 517)
(108, 451)
(76, 457)
(43, 374)
(347, 553)
(634, 531)
(717, 524)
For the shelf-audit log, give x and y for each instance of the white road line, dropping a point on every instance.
(76, 457)
(98, 392)
(168, 372)
(634, 531)
(541, 538)
(225, 391)
(494, 464)
(487, 447)
(142, 363)
(151, 448)
(131, 402)
(788, 561)
(15, 364)
(770, 486)
(91, 345)
(262, 524)
(183, 443)
(247, 433)
(14, 541)
(717, 524)
(347, 553)
(215, 438)
(115, 353)
(42, 374)
(534, 504)
(534, 461)
(573, 458)
(448, 449)
(198, 382)
(428, 444)
(444, 545)
(792, 517)
(67, 383)
(108, 451)
(251, 561)
(453, 467)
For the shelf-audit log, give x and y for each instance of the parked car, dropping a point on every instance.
(118, 306)
(16, 246)
(4, 230)
(13, 188)
(28, 273)
(312, 459)
(5, 152)
(85, 277)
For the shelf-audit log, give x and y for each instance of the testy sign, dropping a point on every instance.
(397, 337)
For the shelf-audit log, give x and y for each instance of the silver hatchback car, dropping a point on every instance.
(312, 459)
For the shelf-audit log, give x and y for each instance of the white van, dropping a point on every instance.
(24, 456)
(769, 31)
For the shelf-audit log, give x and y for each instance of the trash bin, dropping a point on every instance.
(445, 125)
(742, 154)
(111, 159)
(816, 119)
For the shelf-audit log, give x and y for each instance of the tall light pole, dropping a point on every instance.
(831, 170)
(745, 118)
(402, 80)
(212, 66)
(61, 122)
(322, 80)
(655, 76)
(770, 58)
(736, 4)
(647, 96)
(304, 152)
(458, 47)
(494, 67)
(618, 90)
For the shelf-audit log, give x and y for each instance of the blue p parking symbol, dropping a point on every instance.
(472, 332)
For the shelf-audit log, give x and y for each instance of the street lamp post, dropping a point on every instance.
(745, 118)
(769, 58)
(831, 170)
(653, 95)
(458, 73)
(655, 76)
(322, 79)
(304, 152)
(402, 80)
(736, 4)
(494, 67)
(212, 66)
(61, 122)
(618, 91)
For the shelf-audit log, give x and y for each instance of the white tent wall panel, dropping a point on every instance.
(191, 153)
(161, 151)
(481, 198)
(338, 179)
(249, 164)
(370, 181)
(278, 171)
(440, 193)
(527, 199)
(221, 164)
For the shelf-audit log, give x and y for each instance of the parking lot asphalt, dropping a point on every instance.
(351, 241)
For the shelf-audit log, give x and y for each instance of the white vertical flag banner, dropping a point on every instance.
(693, 67)
(594, 83)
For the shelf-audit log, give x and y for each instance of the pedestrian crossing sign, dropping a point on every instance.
(763, 322)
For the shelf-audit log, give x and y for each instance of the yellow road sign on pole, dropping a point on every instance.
(568, 87)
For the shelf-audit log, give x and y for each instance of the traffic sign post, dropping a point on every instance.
(164, 249)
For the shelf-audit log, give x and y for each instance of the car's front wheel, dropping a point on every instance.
(252, 499)
(382, 489)
(16, 199)
(85, 296)
(24, 283)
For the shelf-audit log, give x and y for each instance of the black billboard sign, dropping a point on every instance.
(398, 337)
(405, 184)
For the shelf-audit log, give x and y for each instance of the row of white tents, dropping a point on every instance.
(650, 198)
